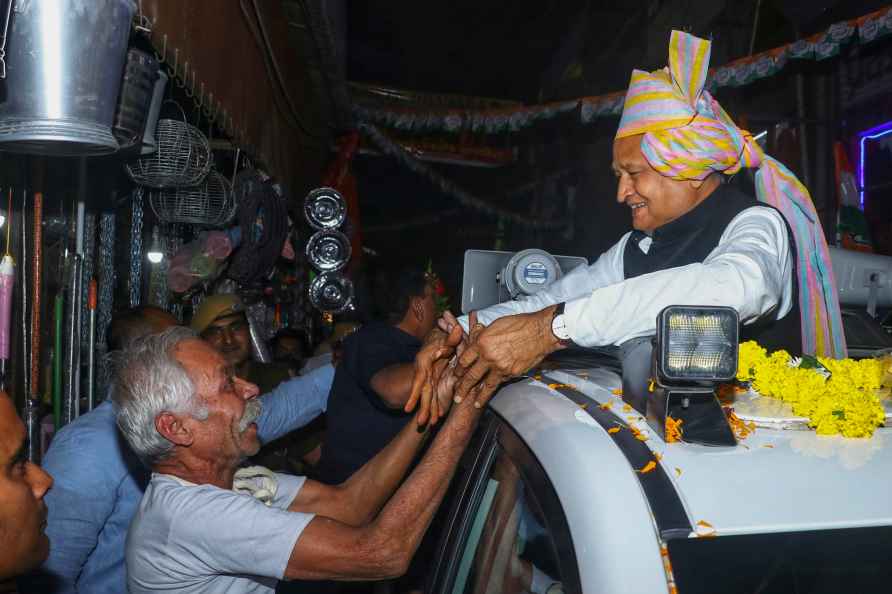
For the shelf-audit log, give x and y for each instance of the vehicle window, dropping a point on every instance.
(508, 548)
(814, 562)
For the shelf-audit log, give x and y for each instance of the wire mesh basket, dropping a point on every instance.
(208, 204)
(183, 157)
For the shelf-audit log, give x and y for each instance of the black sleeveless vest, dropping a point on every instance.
(690, 238)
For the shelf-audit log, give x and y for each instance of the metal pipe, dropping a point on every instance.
(71, 394)
(58, 317)
(31, 419)
(81, 197)
(91, 346)
(76, 337)
(755, 27)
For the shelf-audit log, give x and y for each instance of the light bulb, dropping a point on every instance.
(155, 254)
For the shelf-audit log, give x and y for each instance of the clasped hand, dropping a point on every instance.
(453, 365)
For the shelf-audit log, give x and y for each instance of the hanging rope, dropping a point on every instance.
(135, 281)
(88, 268)
(106, 274)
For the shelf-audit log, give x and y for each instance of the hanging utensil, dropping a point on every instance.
(7, 283)
(71, 389)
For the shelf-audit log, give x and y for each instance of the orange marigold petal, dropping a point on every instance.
(649, 467)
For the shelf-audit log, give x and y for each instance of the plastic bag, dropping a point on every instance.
(201, 260)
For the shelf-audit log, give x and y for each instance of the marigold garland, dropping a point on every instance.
(844, 403)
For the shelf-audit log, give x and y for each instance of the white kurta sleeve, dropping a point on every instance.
(582, 280)
(749, 270)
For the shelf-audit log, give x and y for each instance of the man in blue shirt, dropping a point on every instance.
(99, 482)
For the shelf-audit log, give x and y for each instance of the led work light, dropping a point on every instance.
(695, 349)
(696, 344)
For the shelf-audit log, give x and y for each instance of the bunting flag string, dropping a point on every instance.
(743, 71)
(450, 188)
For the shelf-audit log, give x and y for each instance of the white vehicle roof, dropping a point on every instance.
(773, 481)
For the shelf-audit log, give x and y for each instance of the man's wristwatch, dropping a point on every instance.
(559, 326)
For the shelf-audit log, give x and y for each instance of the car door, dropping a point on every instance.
(505, 531)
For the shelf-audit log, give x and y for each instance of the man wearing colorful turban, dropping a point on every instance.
(697, 240)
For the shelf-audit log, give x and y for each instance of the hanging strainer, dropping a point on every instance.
(183, 157)
(208, 204)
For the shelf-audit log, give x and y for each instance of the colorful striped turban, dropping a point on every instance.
(688, 136)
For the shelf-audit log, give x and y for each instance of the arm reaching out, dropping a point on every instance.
(332, 549)
(437, 348)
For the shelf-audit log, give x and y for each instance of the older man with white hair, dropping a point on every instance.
(188, 417)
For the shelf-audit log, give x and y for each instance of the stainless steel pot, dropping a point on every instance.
(65, 62)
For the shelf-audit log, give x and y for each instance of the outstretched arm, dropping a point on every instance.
(332, 549)
(357, 500)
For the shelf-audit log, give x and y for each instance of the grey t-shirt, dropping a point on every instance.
(199, 538)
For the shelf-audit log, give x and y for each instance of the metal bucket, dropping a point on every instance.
(65, 62)
(140, 74)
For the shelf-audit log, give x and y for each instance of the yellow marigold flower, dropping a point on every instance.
(845, 403)
(750, 355)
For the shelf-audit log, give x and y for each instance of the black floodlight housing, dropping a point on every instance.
(695, 349)
(696, 344)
